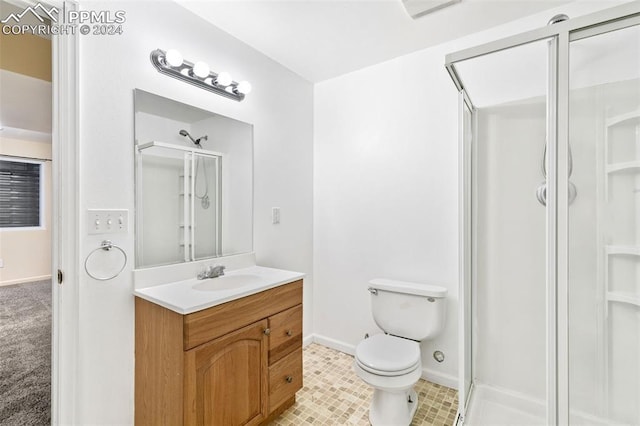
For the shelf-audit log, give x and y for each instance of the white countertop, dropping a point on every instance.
(192, 295)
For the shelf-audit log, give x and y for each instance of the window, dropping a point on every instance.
(19, 194)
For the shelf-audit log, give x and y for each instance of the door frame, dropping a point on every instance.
(64, 216)
(65, 219)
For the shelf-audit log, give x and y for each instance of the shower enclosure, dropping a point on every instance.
(550, 224)
(178, 202)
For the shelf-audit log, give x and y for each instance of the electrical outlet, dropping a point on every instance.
(107, 221)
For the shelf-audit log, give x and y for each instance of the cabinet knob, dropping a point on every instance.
(289, 379)
(267, 331)
(289, 333)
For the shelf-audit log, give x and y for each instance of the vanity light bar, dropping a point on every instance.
(171, 63)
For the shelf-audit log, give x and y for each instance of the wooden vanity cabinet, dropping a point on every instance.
(239, 363)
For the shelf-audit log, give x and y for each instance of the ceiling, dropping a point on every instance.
(322, 39)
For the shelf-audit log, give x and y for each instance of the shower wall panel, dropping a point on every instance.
(511, 291)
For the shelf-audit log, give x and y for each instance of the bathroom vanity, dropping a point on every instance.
(218, 351)
(226, 353)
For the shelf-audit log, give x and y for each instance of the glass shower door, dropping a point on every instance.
(206, 206)
(505, 342)
(604, 228)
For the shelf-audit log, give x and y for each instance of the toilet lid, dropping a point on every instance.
(388, 354)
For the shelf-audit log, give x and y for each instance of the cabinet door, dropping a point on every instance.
(226, 380)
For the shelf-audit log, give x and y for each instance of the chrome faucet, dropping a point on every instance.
(212, 272)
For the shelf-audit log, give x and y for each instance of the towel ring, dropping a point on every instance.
(106, 245)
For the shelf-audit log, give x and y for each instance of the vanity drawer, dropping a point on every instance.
(203, 326)
(286, 333)
(285, 379)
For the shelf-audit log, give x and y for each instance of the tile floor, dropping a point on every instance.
(334, 395)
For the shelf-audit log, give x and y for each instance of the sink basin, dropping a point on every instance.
(227, 282)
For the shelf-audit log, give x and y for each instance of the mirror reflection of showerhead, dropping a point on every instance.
(196, 142)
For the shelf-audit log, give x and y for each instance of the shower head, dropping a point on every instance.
(195, 141)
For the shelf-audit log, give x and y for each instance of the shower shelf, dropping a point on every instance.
(632, 117)
(623, 250)
(630, 166)
(623, 297)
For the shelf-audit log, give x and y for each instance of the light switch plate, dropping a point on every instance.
(275, 215)
(107, 221)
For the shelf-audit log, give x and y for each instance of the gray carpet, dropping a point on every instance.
(25, 354)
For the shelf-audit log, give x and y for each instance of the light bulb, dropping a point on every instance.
(201, 69)
(223, 79)
(244, 87)
(173, 58)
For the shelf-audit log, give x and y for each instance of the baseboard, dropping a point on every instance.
(334, 344)
(440, 378)
(307, 340)
(25, 280)
(429, 375)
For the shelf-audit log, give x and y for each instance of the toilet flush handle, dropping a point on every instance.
(373, 291)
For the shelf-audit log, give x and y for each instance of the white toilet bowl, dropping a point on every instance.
(390, 363)
(392, 366)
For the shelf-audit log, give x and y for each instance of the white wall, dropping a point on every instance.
(26, 253)
(280, 108)
(385, 180)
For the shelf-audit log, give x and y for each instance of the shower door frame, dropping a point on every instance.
(467, 273)
(557, 282)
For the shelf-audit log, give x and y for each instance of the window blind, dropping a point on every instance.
(19, 194)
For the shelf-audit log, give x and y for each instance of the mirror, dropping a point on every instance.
(194, 183)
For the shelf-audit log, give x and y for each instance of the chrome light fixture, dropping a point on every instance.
(172, 63)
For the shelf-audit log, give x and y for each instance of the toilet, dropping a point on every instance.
(408, 313)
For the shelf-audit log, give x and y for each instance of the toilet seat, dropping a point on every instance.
(386, 355)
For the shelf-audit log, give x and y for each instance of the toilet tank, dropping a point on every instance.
(412, 310)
